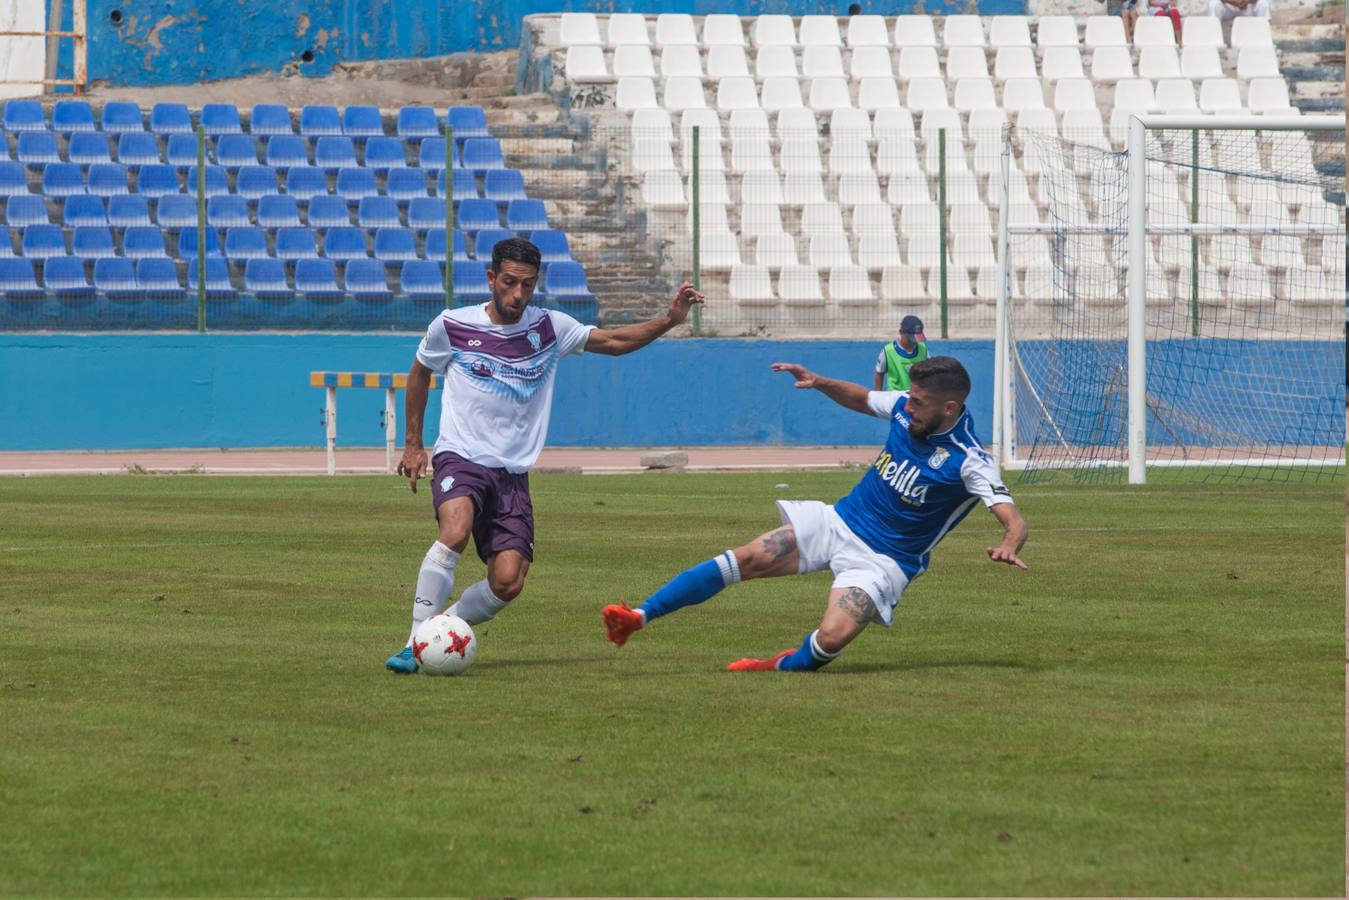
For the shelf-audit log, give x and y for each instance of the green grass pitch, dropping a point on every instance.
(192, 700)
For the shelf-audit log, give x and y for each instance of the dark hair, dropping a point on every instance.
(854, 9)
(943, 376)
(515, 250)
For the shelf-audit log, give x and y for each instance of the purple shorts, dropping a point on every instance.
(503, 516)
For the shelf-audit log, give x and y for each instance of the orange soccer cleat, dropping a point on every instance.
(621, 621)
(758, 665)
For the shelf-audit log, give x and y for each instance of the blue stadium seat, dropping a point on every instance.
(477, 214)
(24, 115)
(64, 276)
(87, 148)
(435, 245)
(270, 118)
(278, 211)
(92, 243)
(526, 215)
(218, 283)
(431, 155)
(180, 151)
(121, 116)
(465, 184)
(504, 185)
(406, 185)
(306, 182)
(17, 281)
(468, 122)
(353, 184)
(418, 122)
(395, 244)
(115, 278)
(384, 153)
(335, 152)
(482, 154)
(245, 243)
(266, 279)
(422, 278)
(377, 212)
(217, 182)
(108, 180)
(344, 242)
(37, 148)
(128, 211)
(425, 213)
(136, 148)
(317, 120)
(157, 180)
(143, 242)
(173, 118)
(566, 279)
(22, 210)
(486, 240)
(227, 211)
(253, 182)
(81, 210)
(235, 150)
(70, 116)
(552, 246)
(187, 242)
(470, 282)
(158, 278)
(294, 243)
(317, 279)
(365, 280)
(13, 179)
(362, 122)
(287, 150)
(217, 118)
(176, 211)
(328, 211)
(62, 180)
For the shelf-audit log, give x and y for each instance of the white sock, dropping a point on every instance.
(477, 604)
(435, 581)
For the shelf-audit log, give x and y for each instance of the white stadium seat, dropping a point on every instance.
(876, 251)
(1200, 62)
(969, 217)
(796, 123)
(915, 218)
(1226, 251)
(867, 31)
(751, 286)
(1037, 120)
(652, 155)
(749, 124)
(1111, 64)
(936, 119)
(893, 123)
(1282, 251)
(800, 286)
(802, 188)
(1022, 93)
(848, 155)
(752, 155)
(1056, 31)
(761, 187)
(710, 163)
(1074, 93)
(878, 93)
(1257, 62)
(706, 120)
(720, 29)
(628, 28)
(829, 250)
(663, 189)
(1158, 61)
(585, 64)
(829, 94)
(1135, 95)
(711, 219)
(1251, 31)
(1105, 31)
(651, 124)
(1154, 31)
(1084, 126)
(901, 284)
(966, 62)
(681, 61)
(775, 61)
(923, 249)
(919, 62)
(633, 59)
(774, 31)
(987, 122)
(975, 93)
(1248, 286)
(1267, 95)
(845, 124)
(737, 93)
(871, 62)
(914, 31)
(712, 187)
(635, 93)
(1016, 62)
(579, 28)
(858, 187)
(673, 29)
(683, 93)
(799, 155)
(821, 62)
(903, 191)
(726, 61)
(820, 31)
(850, 285)
(926, 93)
(1061, 62)
(1009, 31)
(821, 218)
(780, 93)
(897, 156)
(1201, 31)
(873, 218)
(774, 251)
(963, 31)
(1176, 95)
(1219, 95)
(760, 218)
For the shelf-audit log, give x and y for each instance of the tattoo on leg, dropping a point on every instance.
(780, 543)
(857, 605)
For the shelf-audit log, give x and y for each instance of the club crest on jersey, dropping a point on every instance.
(936, 459)
(534, 340)
(902, 476)
(480, 369)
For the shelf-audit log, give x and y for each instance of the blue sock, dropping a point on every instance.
(809, 658)
(694, 585)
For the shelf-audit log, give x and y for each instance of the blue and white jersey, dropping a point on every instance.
(498, 381)
(917, 490)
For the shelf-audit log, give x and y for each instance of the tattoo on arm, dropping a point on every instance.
(857, 605)
(780, 543)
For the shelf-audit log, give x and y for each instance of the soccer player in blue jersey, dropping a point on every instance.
(878, 538)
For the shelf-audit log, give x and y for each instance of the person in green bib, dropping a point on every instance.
(892, 366)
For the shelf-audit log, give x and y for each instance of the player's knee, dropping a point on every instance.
(508, 586)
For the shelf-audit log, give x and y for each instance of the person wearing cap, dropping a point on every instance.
(892, 366)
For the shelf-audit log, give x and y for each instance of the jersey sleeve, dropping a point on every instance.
(571, 334)
(435, 352)
(882, 403)
(983, 480)
(881, 364)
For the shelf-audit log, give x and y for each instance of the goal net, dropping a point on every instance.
(1234, 312)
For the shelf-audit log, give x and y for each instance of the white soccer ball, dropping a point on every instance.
(444, 645)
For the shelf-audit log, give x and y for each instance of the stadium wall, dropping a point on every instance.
(159, 42)
(156, 391)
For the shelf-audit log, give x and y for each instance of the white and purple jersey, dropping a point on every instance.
(918, 490)
(498, 381)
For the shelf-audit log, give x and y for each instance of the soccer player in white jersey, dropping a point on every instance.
(498, 361)
(878, 538)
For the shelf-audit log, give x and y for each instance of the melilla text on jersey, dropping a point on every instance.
(902, 476)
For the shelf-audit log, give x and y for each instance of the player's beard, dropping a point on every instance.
(922, 432)
(505, 314)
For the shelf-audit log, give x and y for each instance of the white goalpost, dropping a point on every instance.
(1181, 305)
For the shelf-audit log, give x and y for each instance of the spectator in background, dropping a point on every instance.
(1128, 13)
(1227, 10)
(892, 366)
(1167, 8)
(854, 9)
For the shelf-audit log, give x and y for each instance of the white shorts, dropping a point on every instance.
(824, 541)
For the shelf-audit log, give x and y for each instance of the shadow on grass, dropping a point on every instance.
(864, 668)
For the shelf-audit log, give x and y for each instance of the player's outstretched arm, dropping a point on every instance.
(844, 393)
(618, 341)
(1014, 534)
(415, 461)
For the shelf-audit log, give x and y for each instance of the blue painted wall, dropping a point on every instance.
(153, 42)
(105, 392)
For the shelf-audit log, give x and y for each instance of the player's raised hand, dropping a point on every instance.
(1003, 555)
(805, 378)
(683, 301)
(413, 464)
